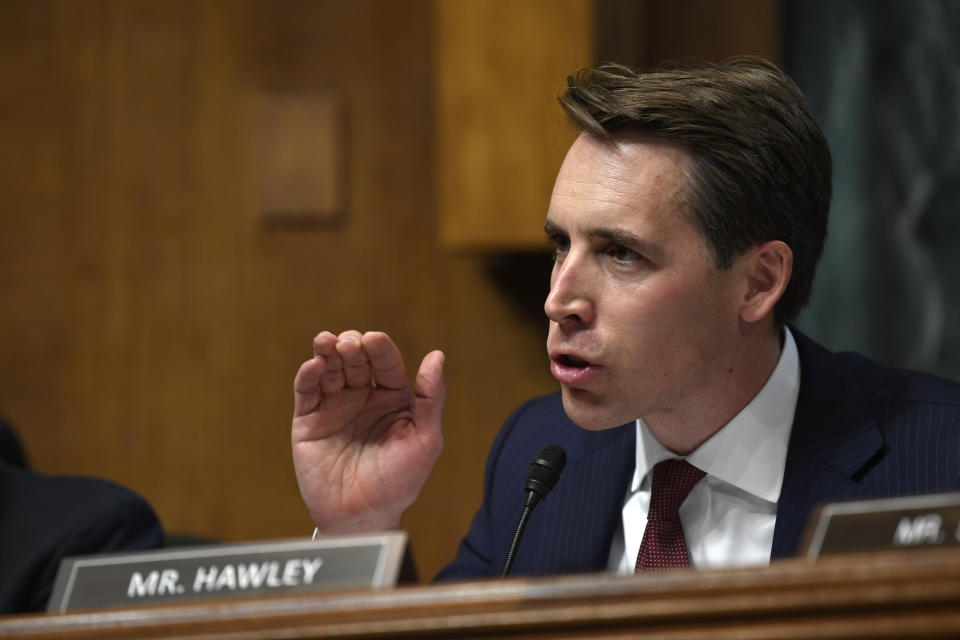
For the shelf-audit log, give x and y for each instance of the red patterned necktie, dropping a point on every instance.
(663, 545)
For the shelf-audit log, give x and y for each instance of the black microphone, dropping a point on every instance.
(542, 477)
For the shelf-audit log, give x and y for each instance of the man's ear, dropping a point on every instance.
(768, 268)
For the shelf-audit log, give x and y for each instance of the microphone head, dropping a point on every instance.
(544, 472)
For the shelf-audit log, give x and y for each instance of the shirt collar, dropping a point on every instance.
(750, 451)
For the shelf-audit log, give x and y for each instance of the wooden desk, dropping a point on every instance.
(912, 594)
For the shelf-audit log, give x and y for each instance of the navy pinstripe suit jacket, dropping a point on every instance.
(861, 430)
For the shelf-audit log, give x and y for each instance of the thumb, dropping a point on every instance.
(429, 390)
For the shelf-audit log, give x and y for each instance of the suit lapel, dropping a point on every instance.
(835, 438)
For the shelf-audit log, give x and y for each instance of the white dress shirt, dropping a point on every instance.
(729, 516)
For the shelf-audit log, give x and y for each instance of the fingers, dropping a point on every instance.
(430, 392)
(385, 360)
(321, 375)
(429, 384)
(306, 387)
(352, 360)
(356, 362)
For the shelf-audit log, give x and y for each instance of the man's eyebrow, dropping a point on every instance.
(648, 248)
(643, 246)
(552, 229)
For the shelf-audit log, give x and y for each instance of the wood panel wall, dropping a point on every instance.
(154, 316)
(152, 323)
(500, 134)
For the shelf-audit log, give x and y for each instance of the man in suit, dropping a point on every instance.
(687, 219)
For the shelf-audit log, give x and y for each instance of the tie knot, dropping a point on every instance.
(672, 481)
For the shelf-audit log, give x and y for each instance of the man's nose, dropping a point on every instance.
(570, 299)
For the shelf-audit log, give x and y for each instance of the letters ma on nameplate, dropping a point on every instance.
(885, 524)
(225, 571)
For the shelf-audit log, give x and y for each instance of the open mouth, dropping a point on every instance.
(573, 370)
(573, 361)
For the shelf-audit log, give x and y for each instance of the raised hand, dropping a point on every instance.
(363, 445)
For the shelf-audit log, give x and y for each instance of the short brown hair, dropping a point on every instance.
(761, 166)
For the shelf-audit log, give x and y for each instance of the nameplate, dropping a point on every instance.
(226, 571)
(885, 524)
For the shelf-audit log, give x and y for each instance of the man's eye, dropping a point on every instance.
(560, 246)
(623, 254)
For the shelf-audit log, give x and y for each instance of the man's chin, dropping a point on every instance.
(590, 411)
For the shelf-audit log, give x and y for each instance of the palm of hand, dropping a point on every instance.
(363, 452)
(363, 466)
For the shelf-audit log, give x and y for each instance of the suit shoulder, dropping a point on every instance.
(542, 420)
(901, 385)
(530, 423)
(830, 373)
(44, 518)
(74, 496)
(86, 515)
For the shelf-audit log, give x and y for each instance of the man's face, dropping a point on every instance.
(642, 324)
